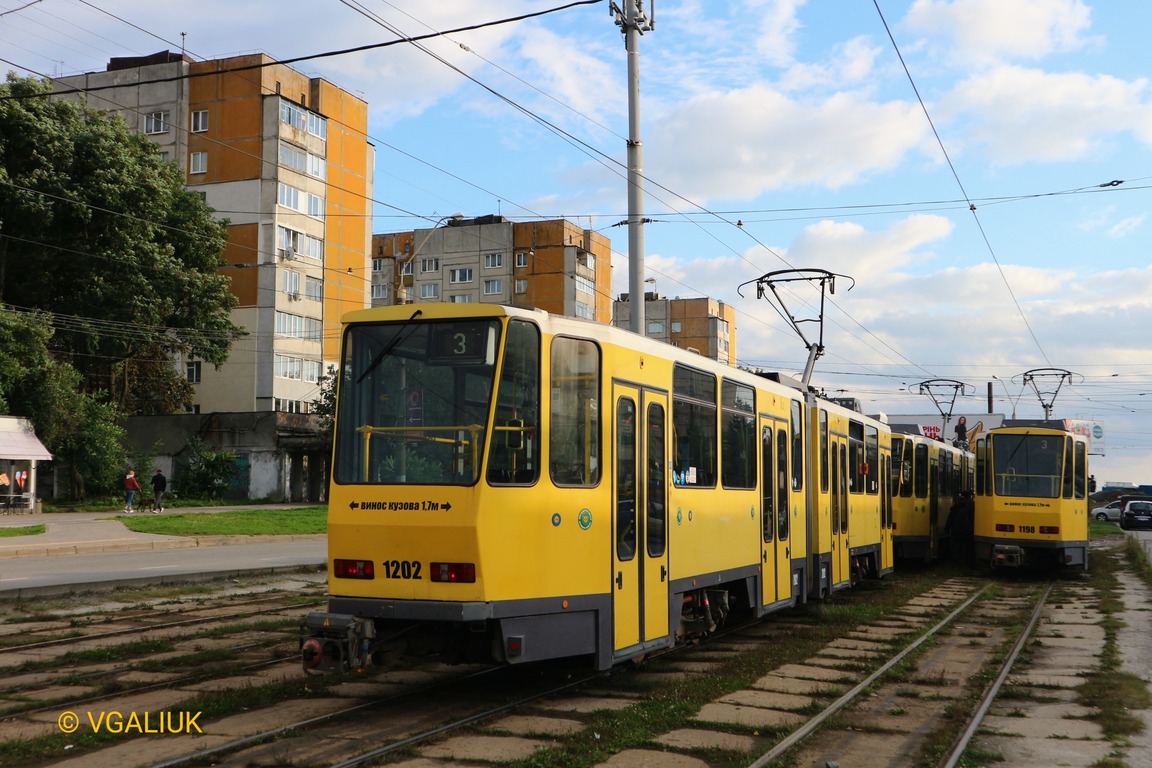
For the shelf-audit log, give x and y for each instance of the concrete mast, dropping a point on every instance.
(634, 22)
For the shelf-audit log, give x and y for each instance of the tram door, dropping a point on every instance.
(840, 510)
(775, 538)
(639, 526)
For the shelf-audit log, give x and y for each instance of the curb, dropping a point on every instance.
(174, 542)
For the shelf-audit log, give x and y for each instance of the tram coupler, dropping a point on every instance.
(335, 642)
(1007, 556)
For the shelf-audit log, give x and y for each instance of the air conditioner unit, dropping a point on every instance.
(294, 296)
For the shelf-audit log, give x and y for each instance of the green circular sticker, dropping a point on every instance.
(679, 516)
(584, 519)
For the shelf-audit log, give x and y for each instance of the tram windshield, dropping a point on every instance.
(414, 401)
(1027, 465)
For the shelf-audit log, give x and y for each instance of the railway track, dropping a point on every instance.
(894, 687)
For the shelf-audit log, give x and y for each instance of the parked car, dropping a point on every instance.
(1111, 511)
(1136, 514)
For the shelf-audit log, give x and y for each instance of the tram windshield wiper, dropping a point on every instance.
(399, 337)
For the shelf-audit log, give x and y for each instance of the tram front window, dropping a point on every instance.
(413, 401)
(1027, 465)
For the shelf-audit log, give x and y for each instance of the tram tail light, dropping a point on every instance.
(353, 569)
(455, 573)
(1005, 528)
(1053, 529)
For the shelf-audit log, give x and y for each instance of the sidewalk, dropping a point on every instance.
(72, 533)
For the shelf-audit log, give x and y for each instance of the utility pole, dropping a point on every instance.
(633, 21)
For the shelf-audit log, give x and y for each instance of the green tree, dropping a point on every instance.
(77, 428)
(208, 473)
(99, 230)
(324, 407)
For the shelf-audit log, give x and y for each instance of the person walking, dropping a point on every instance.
(159, 485)
(131, 486)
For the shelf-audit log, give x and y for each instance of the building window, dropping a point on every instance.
(521, 286)
(199, 163)
(314, 288)
(317, 166)
(429, 291)
(291, 282)
(289, 367)
(406, 268)
(289, 197)
(303, 120)
(521, 259)
(461, 298)
(380, 290)
(291, 157)
(493, 260)
(429, 265)
(156, 122)
(492, 287)
(655, 326)
(676, 326)
(585, 285)
(192, 371)
(377, 265)
(316, 206)
(199, 120)
(462, 275)
(585, 310)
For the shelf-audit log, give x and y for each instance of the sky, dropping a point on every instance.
(977, 171)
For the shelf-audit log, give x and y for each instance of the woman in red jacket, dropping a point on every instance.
(131, 485)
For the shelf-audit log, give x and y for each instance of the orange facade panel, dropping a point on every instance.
(242, 249)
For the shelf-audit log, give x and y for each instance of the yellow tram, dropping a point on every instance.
(929, 478)
(514, 486)
(1031, 496)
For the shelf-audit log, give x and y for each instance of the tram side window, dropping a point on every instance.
(797, 423)
(781, 484)
(514, 455)
(656, 527)
(905, 468)
(823, 451)
(856, 457)
(871, 459)
(1069, 464)
(768, 488)
(887, 496)
(738, 460)
(574, 434)
(981, 467)
(920, 472)
(1081, 469)
(694, 424)
(625, 479)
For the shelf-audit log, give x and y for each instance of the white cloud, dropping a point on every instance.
(738, 144)
(983, 31)
(849, 64)
(1017, 115)
(1125, 227)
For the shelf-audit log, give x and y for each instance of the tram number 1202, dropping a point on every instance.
(401, 569)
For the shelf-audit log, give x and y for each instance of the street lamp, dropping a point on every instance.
(400, 262)
(1006, 395)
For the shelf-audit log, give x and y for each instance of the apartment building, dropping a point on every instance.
(701, 325)
(553, 265)
(286, 159)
